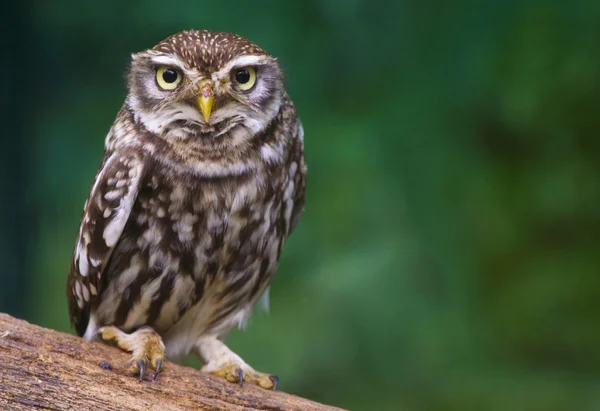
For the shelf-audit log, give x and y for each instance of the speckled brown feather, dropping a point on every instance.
(207, 49)
(116, 180)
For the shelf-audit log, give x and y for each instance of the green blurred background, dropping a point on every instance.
(449, 255)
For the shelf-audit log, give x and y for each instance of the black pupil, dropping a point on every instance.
(242, 76)
(169, 76)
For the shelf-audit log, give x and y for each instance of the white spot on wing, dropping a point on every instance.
(113, 230)
(112, 195)
(83, 262)
(101, 175)
(78, 290)
(86, 293)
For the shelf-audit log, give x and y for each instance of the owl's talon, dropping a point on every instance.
(243, 373)
(266, 381)
(146, 345)
(240, 375)
(275, 380)
(159, 362)
(141, 365)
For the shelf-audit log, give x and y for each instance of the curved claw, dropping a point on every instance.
(275, 380)
(240, 374)
(157, 370)
(142, 366)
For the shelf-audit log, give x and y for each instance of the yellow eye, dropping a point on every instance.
(245, 78)
(167, 78)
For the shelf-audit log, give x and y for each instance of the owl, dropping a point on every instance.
(201, 183)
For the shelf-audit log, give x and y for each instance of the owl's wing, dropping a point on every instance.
(298, 177)
(105, 214)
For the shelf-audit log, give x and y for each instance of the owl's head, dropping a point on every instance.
(205, 86)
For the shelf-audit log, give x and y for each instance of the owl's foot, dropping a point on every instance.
(221, 361)
(145, 344)
(243, 373)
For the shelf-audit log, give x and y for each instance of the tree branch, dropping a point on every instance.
(46, 369)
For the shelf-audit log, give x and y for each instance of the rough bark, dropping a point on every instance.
(46, 369)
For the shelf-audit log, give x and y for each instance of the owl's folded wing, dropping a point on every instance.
(298, 180)
(105, 214)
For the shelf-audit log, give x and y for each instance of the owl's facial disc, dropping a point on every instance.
(202, 93)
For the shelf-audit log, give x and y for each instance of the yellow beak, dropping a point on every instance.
(206, 98)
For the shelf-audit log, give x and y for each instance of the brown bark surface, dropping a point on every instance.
(46, 369)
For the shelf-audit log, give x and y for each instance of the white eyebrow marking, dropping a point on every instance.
(241, 61)
(164, 60)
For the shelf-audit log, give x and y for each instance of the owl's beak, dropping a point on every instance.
(206, 98)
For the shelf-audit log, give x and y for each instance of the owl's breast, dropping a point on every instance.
(195, 254)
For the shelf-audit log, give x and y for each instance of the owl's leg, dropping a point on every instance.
(145, 345)
(221, 361)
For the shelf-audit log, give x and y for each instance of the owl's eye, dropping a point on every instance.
(245, 78)
(167, 78)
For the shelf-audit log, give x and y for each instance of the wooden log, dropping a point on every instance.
(46, 369)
